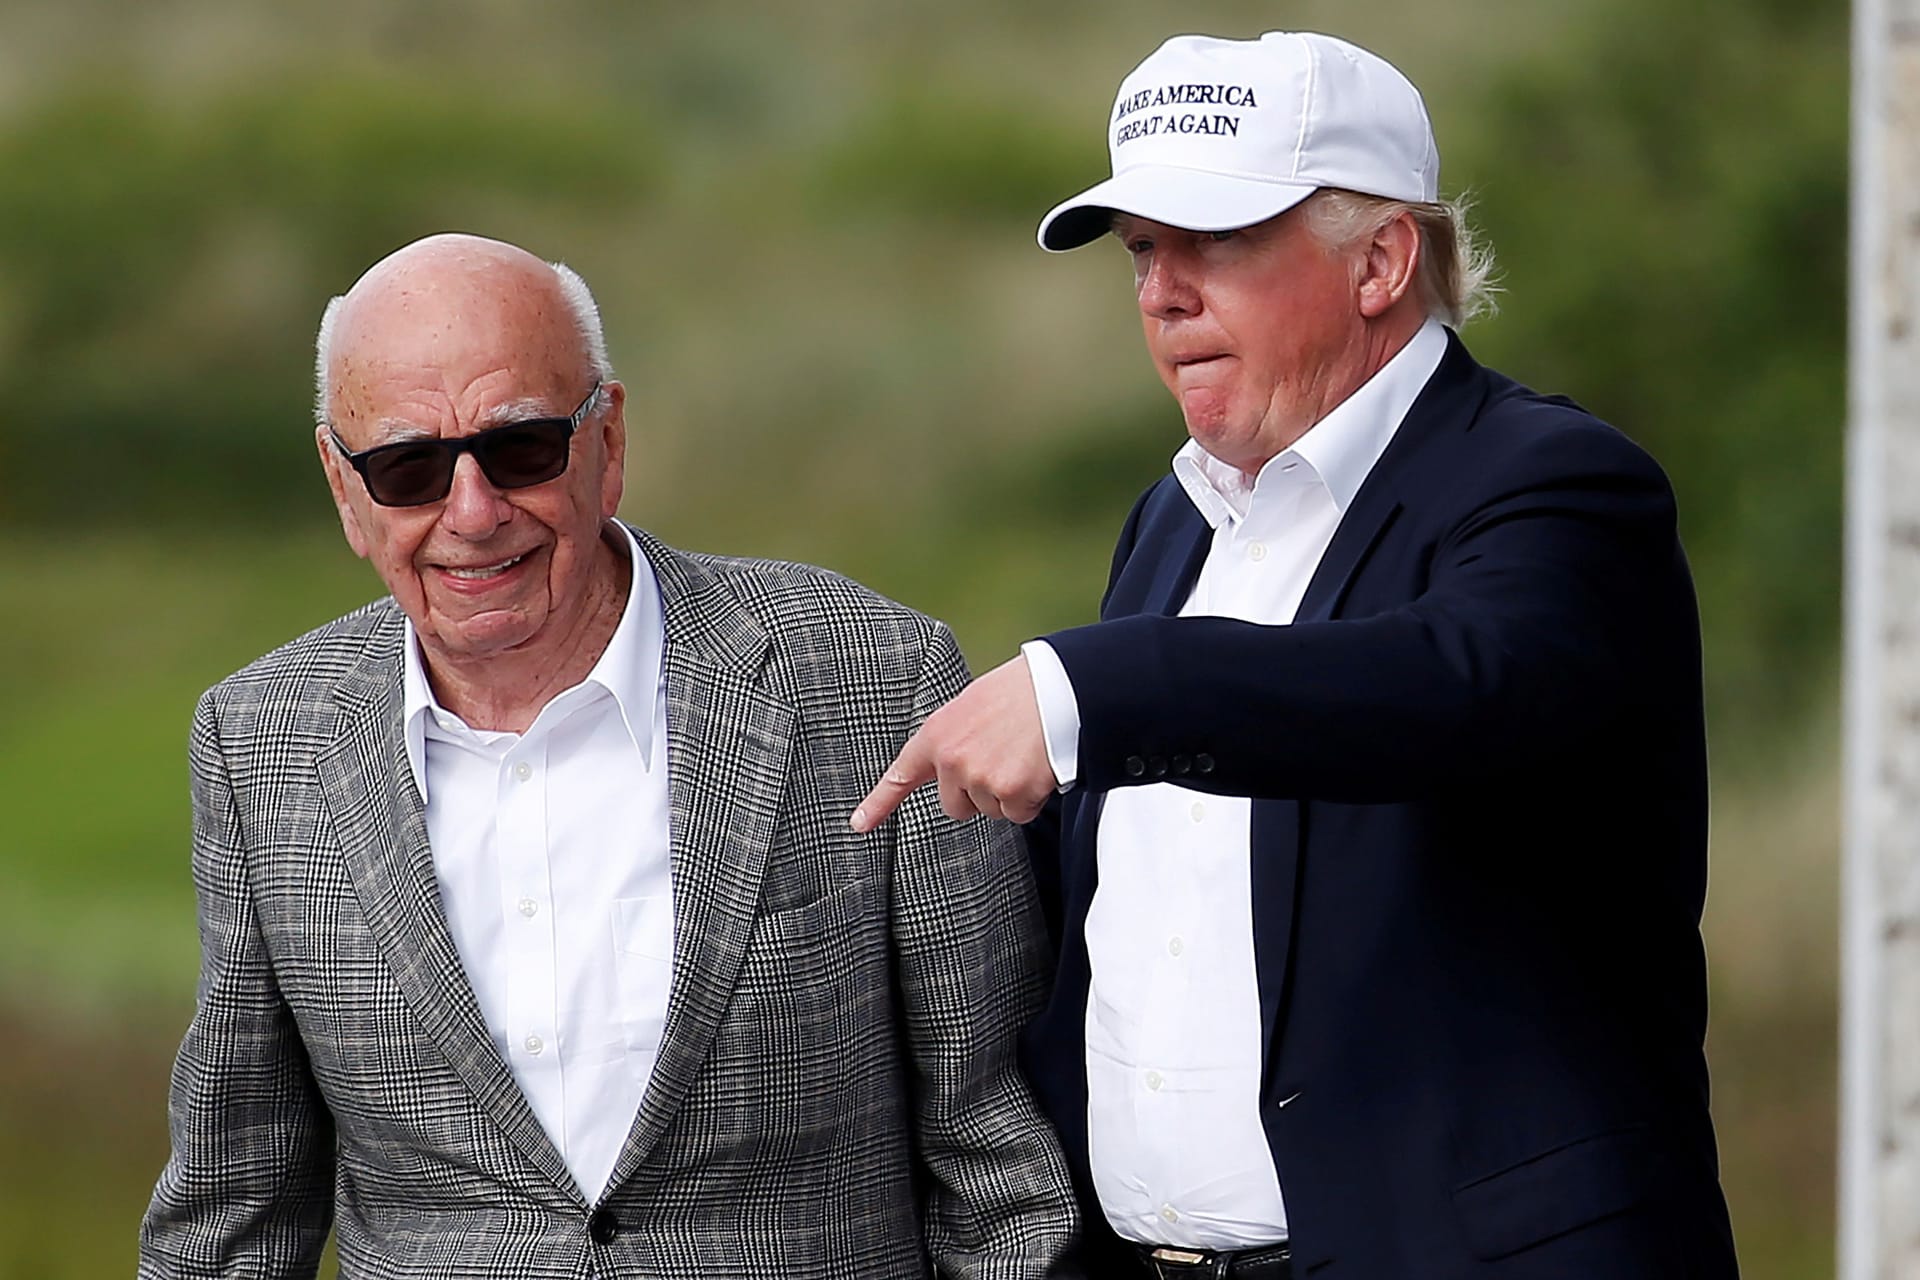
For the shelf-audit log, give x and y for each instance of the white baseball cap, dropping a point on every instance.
(1210, 135)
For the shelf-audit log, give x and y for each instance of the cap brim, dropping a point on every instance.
(1188, 198)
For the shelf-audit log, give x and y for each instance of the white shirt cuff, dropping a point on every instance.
(1059, 710)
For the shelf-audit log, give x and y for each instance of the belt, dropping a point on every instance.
(1165, 1262)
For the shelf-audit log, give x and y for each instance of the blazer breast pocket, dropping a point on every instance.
(807, 1013)
(1558, 1191)
(808, 971)
(829, 926)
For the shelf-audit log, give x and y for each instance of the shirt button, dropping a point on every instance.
(1167, 1212)
(1257, 552)
(528, 907)
(1155, 1080)
(1175, 946)
(535, 1044)
(523, 771)
(1199, 811)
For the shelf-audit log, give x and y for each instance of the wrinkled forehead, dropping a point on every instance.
(479, 334)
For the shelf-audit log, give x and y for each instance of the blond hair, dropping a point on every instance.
(1454, 280)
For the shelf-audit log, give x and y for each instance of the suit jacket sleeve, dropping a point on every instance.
(973, 969)
(248, 1189)
(1552, 604)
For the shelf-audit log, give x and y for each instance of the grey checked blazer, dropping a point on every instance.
(835, 1095)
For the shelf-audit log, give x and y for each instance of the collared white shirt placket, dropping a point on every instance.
(535, 1047)
(551, 849)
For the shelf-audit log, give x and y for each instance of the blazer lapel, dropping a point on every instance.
(1168, 551)
(728, 744)
(1448, 403)
(381, 825)
(1445, 406)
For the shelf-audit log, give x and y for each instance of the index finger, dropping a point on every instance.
(913, 767)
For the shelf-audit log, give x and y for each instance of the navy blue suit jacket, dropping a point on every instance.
(1479, 833)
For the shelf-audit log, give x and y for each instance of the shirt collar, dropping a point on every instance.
(1341, 448)
(628, 670)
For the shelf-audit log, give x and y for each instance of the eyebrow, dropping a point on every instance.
(516, 411)
(396, 431)
(401, 431)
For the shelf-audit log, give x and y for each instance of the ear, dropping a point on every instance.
(613, 438)
(1392, 259)
(337, 480)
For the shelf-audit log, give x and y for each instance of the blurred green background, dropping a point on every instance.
(810, 229)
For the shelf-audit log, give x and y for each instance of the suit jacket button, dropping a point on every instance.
(603, 1226)
(1136, 767)
(1183, 765)
(1203, 763)
(1158, 767)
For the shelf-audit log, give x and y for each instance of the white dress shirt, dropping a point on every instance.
(551, 850)
(1174, 1052)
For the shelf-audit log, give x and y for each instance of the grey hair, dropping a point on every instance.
(573, 290)
(1455, 278)
(586, 319)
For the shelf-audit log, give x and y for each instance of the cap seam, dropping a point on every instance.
(1215, 171)
(1306, 101)
(1429, 146)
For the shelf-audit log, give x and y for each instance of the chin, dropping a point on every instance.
(479, 636)
(1220, 439)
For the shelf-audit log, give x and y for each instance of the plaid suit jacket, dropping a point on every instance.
(836, 1093)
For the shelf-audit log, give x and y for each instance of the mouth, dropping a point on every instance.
(1196, 361)
(481, 573)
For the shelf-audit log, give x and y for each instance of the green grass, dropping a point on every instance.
(99, 679)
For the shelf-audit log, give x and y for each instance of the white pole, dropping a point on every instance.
(1879, 1212)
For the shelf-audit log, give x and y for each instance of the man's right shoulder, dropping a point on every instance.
(1163, 495)
(314, 664)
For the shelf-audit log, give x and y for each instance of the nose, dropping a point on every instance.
(474, 507)
(1167, 287)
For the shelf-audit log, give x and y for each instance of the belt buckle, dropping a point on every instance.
(1169, 1261)
(1178, 1257)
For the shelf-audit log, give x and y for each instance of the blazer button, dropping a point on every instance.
(1136, 767)
(1183, 765)
(603, 1226)
(1158, 767)
(1203, 763)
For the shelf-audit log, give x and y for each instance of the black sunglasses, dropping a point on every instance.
(514, 455)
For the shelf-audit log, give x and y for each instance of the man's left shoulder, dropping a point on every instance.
(1540, 429)
(789, 594)
(808, 614)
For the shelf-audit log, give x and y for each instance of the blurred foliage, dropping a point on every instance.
(941, 154)
(159, 258)
(811, 233)
(1672, 212)
(1667, 194)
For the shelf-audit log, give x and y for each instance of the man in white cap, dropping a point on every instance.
(1372, 814)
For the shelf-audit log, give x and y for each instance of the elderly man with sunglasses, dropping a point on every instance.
(533, 942)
